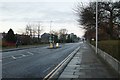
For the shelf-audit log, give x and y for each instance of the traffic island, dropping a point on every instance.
(52, 46)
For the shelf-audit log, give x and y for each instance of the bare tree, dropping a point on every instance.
(29, 30)
(54, 32)
(62, 34)
(108, 16)
(34, 31)
(39, 29)
(63, 31)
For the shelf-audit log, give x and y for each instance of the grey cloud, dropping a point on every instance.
(22, 11)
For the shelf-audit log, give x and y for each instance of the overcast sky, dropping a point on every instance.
(16, 14)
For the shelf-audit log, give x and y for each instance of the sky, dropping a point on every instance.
(16, 14)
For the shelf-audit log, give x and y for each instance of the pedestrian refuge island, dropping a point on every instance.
(54, 46)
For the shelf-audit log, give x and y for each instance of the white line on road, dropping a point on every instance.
(20, 57)
(13, 57)
(0, 60)
(23, 55)
(30, 53)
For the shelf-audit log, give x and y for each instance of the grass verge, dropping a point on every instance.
(22, 46)
(111, 47)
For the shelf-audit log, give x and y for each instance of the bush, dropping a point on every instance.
(7, 44)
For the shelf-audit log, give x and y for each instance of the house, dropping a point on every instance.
(45, 38)
(73, 37)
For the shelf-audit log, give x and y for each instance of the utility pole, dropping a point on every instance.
(50, 26)
(50, 38)
(96, 26)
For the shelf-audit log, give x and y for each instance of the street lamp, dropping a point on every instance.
(50, 38)
(96, 25)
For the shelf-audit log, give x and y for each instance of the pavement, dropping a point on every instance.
(87, 64)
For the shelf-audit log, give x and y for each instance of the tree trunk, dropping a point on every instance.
(111, 25)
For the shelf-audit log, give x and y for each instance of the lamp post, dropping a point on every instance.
(96, 25)
(50, 38)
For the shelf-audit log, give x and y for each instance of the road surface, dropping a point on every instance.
(34, 62)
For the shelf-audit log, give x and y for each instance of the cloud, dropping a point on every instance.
(37, 0)
(23, 11)
(17, 14)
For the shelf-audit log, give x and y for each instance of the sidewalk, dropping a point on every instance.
(86, 64)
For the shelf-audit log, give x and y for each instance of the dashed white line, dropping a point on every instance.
(13, 57)
(23, 55)
(30, 53)
(20, 57)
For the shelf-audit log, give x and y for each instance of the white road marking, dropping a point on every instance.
(23, 55)
(20, 57)
(46, 69)
(0, 60)
(13, 57)
(30, 53)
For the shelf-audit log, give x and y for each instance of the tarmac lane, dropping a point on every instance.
(34, 62)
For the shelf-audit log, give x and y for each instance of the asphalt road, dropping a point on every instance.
(34, 62)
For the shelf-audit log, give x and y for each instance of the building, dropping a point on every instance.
(45, 38)
(73, 37)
